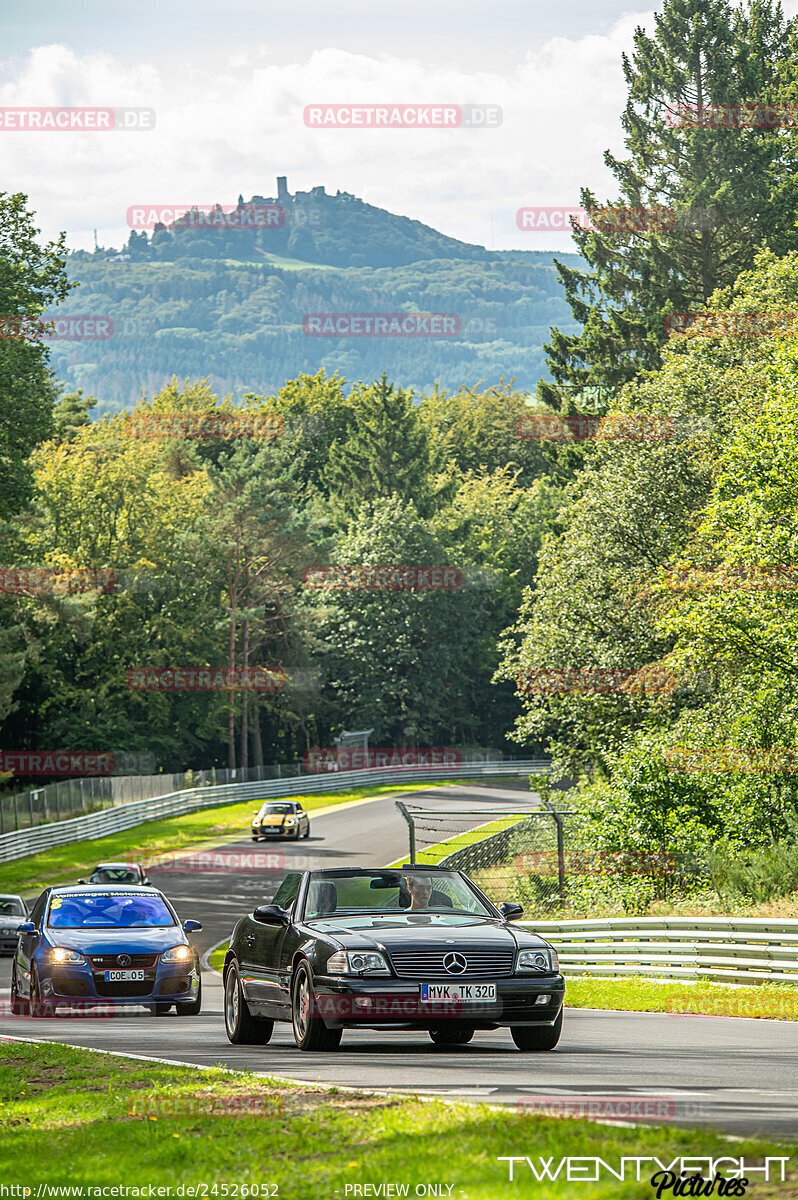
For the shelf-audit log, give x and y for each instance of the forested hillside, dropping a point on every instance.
(224, 304)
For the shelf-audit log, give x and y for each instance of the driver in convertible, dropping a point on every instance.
(420, 892)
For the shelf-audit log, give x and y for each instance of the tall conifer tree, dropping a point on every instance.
(730, 190)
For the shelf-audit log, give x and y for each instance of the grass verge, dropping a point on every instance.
(432, 855)
(89, 1120)
(66, 863)
(217, 958)
(775, 1001)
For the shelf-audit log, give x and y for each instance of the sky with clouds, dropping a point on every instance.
(229, 83)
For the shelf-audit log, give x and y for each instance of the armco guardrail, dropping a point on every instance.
(732, 949)
(126, 816)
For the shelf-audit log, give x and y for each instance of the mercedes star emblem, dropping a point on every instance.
(454, 963)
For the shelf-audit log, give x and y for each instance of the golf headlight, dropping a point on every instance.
(177, 954)
(60, 955)
(356, 962)
(537, 960)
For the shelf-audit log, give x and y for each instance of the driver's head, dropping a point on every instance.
(420, 890)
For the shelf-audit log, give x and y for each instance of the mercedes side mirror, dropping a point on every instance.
(27, 927)
(192, 926)
(511, 910)
(271, 914)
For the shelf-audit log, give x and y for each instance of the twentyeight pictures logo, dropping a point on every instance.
(76, 120)
(402, 116)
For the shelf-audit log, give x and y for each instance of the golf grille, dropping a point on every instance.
(420, 964)
(110, 962)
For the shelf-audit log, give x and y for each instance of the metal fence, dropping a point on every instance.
(546, 858)
(124, 816)
(71, 797)
(731, 949)
(510, 853)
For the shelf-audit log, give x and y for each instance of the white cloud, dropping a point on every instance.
(235, 127)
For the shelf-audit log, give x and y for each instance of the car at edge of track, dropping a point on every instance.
(12, 911)
(114, 946)
(280, 819)
(416, 948)
(118, 872)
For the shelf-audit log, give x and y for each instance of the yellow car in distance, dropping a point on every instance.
(280, 819)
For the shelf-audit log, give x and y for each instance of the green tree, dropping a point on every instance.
(729, 189)
(385, 454)
(32, 280)
(403, 662)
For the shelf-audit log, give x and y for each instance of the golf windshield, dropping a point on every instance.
(411, 891)
(10, 906)
(114, 875)
(108, 910)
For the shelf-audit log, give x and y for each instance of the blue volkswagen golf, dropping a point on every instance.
(105, 946)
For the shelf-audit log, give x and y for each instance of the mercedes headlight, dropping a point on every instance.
(60, 955)
(537, 961)
(178, 954)
(357, 962)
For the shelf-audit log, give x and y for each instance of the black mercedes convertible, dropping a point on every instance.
(417, 948)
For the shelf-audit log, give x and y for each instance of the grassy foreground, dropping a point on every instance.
(88, 1120)
(65, 863)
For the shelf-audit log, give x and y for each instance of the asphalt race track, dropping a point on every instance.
(735, 1074)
